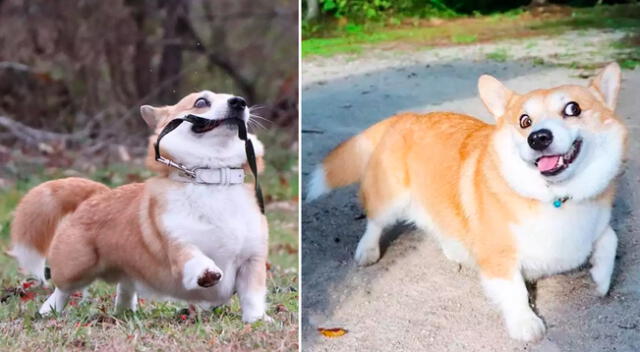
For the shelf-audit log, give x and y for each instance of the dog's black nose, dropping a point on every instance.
(540, 140)
(237, 103)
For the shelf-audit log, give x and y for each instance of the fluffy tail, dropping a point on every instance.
(38, 215)
(346, 163)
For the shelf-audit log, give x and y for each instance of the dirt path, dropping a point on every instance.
(414, 299)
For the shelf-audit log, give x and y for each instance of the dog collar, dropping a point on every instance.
(224, 176)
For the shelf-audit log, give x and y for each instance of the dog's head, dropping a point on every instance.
(215, 144)
(564, 141)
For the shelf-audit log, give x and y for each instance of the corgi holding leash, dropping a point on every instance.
(527, 197)
(195, 232)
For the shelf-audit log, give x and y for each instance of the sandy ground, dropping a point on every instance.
(414, 299)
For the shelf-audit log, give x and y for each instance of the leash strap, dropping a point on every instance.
(199, 121)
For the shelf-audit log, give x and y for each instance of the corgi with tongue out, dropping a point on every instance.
(526, 197)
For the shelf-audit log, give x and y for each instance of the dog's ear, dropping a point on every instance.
(150, 115)
(607, 83)
(494, 95)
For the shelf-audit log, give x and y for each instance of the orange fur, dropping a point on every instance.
(424, 155)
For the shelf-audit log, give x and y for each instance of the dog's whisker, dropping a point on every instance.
(256, 123)
(261, 118)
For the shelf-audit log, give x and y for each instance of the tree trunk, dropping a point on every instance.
(312, 10)
(171, 59)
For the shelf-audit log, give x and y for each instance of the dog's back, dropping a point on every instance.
(38, 215)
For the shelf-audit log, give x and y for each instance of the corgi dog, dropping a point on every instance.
(526, 197)
(199, 239)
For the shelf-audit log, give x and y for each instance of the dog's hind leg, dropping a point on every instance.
(368, 250)
(126, 297)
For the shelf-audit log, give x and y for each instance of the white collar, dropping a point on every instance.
(219, 176)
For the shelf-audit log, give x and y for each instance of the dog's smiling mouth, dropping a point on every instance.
(551, 165)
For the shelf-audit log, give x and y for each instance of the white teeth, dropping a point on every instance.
(561, 161)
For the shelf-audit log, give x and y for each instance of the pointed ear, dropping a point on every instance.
(150, 115)
(494, 95)
(607, 83)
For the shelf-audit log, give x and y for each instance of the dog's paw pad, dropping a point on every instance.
(209, 278)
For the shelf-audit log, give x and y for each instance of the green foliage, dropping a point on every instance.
(360, 10)
(356, 9)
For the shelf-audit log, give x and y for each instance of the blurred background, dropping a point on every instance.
(332, 27)
(73, 75)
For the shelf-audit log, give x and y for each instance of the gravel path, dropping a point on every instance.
(414, 299)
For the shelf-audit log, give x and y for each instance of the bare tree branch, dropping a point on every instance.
(35, 136)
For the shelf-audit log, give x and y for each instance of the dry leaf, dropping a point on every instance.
(333, 332)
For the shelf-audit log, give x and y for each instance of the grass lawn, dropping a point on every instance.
(353, 38)
(156, 326)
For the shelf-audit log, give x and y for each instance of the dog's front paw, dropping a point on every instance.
(526, 327)
(366, 253)
(252, 318)
(199, 273)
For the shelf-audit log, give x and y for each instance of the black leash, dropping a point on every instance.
(198, 123)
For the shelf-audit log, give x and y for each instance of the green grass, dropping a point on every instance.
(499, 55)
(355, 39)
(156, 326)
(464, 38)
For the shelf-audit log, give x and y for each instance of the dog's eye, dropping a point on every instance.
(571, 109)
(525, 121)
(201, 103)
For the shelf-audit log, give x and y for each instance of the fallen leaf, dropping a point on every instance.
(333, 332)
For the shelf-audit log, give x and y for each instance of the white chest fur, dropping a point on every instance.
(222, 221)
(554, 240)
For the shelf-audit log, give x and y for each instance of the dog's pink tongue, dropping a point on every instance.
(547, 163)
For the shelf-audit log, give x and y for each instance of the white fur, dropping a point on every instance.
(55, 302)
(224, 224)
(591, 172)
(221, 223)
(555, 240)
(317, 184)
(368, 250)
(603, 258)
(215, 149)
(512, 298)
(29, 260)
